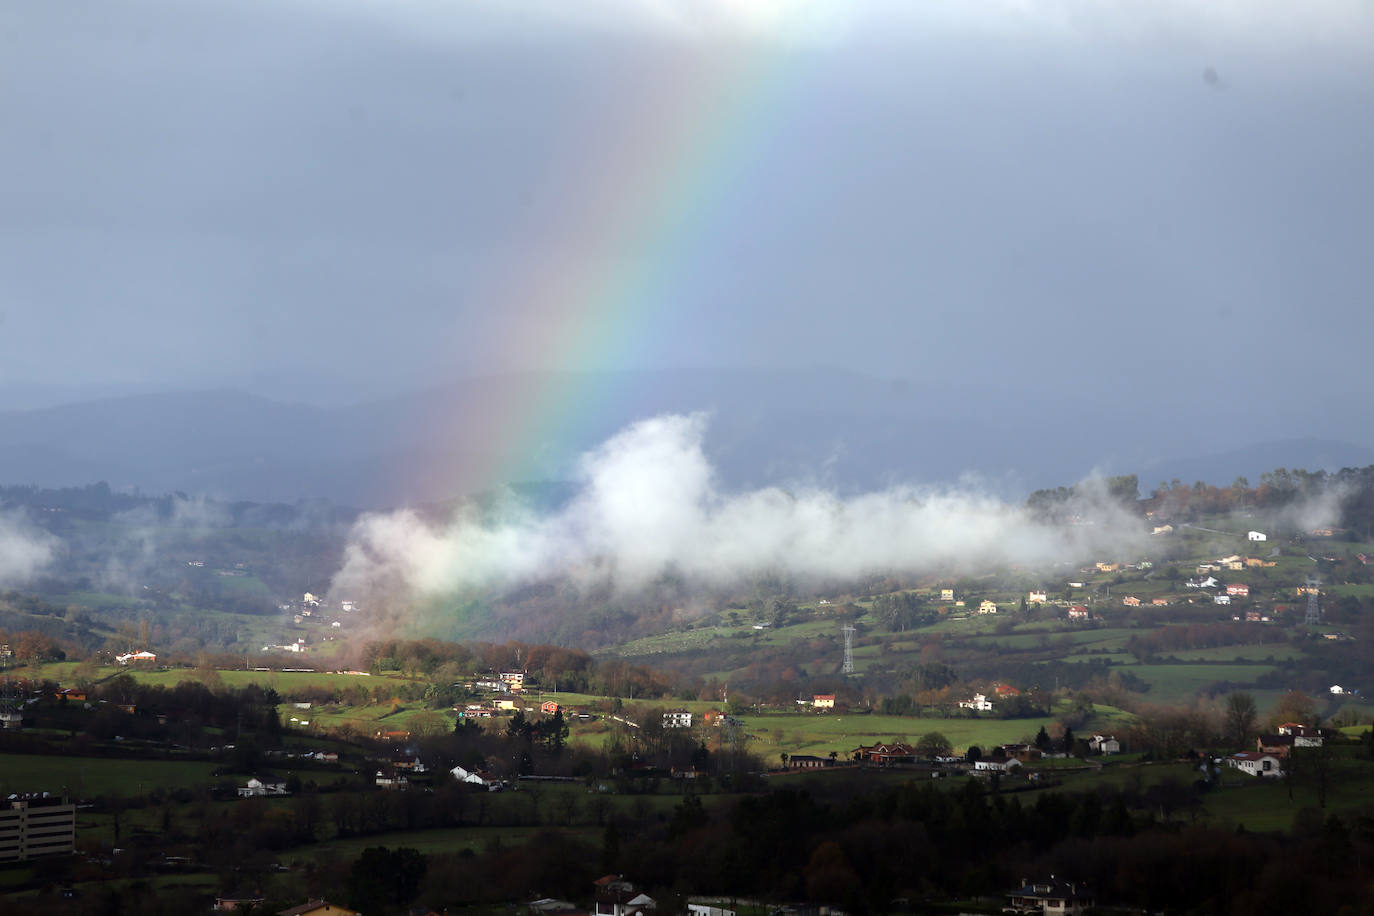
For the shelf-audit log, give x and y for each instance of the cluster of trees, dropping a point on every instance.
(901, 611)
(1200, 636)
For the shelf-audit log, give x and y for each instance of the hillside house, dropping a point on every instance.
(617, 897)
(392, 780)
(1159, 602)
(1302, 735)
(1257, 536)
(1256, 763)
(823, 701)
(678, 718)
(137, 658)
(1079, 612)
(1259, 563)
(1037, 596)
(1209, 582)
(476, 778)
(1337, 689)
(997, 765)
(1026, 753)
(978, 702)
(946, 594)
(1221, 599)
(1238, 590)
(706, 909)
(987, 607)
(1163, 529)
(1052, 898)
(514, 680)
(1104, 744)
(1108, 567)
(318, 908)
(808, 762)
(549, 708)
(264, 785)
(885, 754)
(1131, 601)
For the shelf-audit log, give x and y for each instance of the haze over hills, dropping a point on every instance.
(841, 429)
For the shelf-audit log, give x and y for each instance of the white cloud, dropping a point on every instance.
(25, 550)
(649, 503)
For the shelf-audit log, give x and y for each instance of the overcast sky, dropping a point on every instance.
(328, 200)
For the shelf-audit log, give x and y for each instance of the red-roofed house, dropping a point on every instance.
(886, 754)
(823, 701)
(1239, 590)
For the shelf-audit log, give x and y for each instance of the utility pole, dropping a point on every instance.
(848, 667)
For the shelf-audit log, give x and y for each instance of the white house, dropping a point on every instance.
(705, 909)
(476, 778)
(1256, 764)
(1104, 744)
(677, 719)
(987, 607)
(1221, 599)
(1257, 536)
(1337, 689)
(1037, 597)
(131, 657)
(994, 765)
(979, 702)
(1209, 582)
(267, 785)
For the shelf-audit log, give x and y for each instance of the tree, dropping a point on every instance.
(382, 879)
(1042, 739)
(554, 731)
(1294, 706)
(932, 744)
(1241, 717)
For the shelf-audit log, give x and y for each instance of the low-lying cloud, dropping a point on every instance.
(146, 533)
(25, 549)
(648, 503)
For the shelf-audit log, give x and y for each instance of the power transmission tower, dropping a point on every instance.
(1314, 608)
(848, 667)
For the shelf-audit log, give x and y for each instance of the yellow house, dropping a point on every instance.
(946, 594)
(318, 908)
(987, 607)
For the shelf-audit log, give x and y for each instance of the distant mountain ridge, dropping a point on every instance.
(796, 427)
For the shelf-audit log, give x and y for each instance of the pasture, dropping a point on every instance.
(89, 776)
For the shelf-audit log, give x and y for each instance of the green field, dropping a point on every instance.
(810, 733)
(1177, 684)
(89, 776)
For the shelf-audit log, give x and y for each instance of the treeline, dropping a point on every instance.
(1200, 636)
(862, 853)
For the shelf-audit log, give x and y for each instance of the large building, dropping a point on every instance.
(36, 825)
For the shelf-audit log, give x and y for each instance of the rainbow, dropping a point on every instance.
(679, 156)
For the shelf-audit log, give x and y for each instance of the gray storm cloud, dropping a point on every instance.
(25, 550)
(648, 503)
